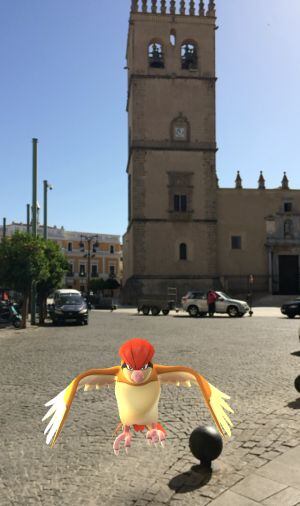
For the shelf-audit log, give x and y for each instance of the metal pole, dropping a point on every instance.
(28, 218)
(34, 222)
(34, 187)
(4, 228)
(45, 210)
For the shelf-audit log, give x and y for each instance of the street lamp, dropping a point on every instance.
(89, 239)
(47, 186)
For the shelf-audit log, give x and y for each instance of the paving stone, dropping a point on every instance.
(287, 475)
(257, 488)
(230, 498)
(287, 497)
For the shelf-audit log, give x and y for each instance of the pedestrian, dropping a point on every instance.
(211, 301)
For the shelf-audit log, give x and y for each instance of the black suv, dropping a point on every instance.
(69, 308)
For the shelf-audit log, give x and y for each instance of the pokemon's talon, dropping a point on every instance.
(126, 437)
(155, 436)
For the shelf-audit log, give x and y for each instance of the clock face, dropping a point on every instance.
(180, 132)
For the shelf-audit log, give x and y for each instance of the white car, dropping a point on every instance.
(195, 303)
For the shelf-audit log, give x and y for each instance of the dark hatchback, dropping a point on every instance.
(291, 309)
(69, 308)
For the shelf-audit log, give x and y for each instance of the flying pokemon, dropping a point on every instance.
(137, 388)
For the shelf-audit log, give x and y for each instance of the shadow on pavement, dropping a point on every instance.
(294, 404)
(296, 353)
(197, 477)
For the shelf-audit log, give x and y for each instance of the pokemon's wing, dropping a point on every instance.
(61, 404)
(214, 398)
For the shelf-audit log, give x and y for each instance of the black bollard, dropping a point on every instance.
(297, 383)
(206, 444)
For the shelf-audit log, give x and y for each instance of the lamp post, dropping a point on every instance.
(34, 221)
(89, 239)
(47, 186)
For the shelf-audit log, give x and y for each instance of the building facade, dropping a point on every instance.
(183, 230)
(102, 253)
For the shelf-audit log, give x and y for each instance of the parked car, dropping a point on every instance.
(195, 303)
(291, 309)
(69, 307)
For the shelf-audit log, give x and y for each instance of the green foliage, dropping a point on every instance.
(97, 285)
(22, 260)
(57, 266)
(111, 284)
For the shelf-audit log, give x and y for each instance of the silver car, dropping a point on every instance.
(195, 303)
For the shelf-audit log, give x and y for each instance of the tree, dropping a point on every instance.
(57, 266)
(97, 285)
(22, 261)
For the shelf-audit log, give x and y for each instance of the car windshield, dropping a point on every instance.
(70, 300)
(223, 295)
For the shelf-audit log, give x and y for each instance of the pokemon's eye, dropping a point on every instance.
(145, 366)
(129, 368)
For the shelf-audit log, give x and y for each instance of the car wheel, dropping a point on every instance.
(193, 311)
(233, 311)
(297, 383)
(86, 322)
(202, 315)
(165, 312)
(155, 310)
(291, 315)
(145, 310)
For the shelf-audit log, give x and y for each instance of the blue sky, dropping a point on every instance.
(62, 80)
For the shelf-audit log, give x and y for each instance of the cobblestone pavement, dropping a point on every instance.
(251, 359)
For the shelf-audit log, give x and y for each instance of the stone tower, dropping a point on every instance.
(172, 185)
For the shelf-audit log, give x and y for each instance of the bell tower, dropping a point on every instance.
(171, 237)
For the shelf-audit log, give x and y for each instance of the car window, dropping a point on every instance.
(69, 300)
(197, 295)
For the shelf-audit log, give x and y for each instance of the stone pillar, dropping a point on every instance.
(144, 7)
(173, 7)
(201, 8)
(261, 182)
(134, 5)
(182, 7)
(163, 7)
(154, 7)
(211, 8)
(238, 181)
(192, 7)
(285, 182)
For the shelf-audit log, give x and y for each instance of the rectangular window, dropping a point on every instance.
(69, 246)
(82, 270)
(180, 203)
(288, 207)
(236, 242)
(94, 271)
(112, 270)
(70, 270)
(112, 250)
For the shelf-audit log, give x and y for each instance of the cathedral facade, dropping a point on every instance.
(183, 230)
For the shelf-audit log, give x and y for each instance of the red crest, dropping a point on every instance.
(136, 352)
